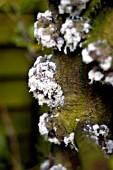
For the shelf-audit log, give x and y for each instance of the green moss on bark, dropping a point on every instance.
(81, 100)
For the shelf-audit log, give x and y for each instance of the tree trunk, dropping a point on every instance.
(83, 102)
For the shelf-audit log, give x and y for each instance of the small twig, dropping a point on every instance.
(14, 145)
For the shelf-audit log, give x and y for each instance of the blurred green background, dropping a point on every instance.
(20, 143)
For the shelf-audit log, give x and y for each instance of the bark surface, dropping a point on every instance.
(83, 101)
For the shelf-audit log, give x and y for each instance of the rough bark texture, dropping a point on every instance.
(84, 101)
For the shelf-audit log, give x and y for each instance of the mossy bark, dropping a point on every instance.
(84, 101)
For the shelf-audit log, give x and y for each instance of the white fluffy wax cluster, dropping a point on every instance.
(109, 146)
(96, 130)
(109, 78)
(74, 28)
(98, 134)
(73, 34)
(58, 167)
(67, 37)
(43, 84)
(50, 133)
(69, 139)
(99, 53)
(45, 31)
(46, 166)
(43, 121)
(72, 8)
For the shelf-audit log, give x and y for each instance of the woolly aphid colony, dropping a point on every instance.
(100, 54)
(67, 39)
(42, 75)
(99, 133)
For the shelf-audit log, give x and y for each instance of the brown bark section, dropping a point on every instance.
(82, 101)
